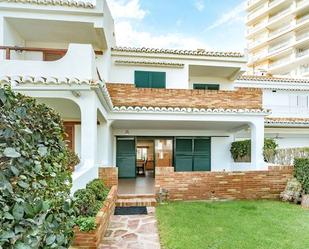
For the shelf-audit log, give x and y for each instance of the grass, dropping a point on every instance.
(233, 225)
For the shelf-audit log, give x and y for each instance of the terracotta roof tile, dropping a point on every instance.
(68, 3)
(287, 120)
(198, 52)
(272, 79)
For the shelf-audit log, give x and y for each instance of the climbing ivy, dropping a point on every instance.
(35, 180)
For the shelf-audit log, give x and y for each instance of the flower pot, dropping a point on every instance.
(305, 201)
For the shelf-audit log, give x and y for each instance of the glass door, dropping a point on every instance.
(163, 152)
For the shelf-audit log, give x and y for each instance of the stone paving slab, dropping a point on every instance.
(132, 232)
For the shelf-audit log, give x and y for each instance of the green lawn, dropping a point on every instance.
(233, 225)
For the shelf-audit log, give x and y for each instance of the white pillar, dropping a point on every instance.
(257, 144)
(88, 131)
(108, 144)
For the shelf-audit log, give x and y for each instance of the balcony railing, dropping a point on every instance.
(277, 31)
(302, 19)
(279, 14)
(279, 46)
(302, 36)
(279, 62)
(44, 51)
(302, 53)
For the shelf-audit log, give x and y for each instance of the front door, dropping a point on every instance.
(126, 157)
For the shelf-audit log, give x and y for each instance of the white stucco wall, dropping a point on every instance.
(221, 159)
(287, 103)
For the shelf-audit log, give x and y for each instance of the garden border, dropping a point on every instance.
(92, 239)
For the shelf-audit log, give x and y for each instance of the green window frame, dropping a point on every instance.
(148, 79)
(199, 86)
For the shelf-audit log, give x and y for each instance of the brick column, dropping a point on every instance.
(109, 175)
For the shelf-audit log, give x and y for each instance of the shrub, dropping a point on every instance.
(301, 172)
(270, 147)
(73, 160)
(35, 181)
(292, 192)
(241, 150)
(85, 202)
(98, 188)
(86, 224)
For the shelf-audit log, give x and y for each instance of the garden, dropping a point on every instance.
(36, 209)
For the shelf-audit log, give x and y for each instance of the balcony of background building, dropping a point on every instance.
(78, 61)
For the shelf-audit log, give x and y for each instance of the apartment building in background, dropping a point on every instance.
(278, 37)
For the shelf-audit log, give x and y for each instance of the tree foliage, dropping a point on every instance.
(301, 172)
(35, 181)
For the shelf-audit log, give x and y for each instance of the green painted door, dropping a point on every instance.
(183, 154)
(201, 155)
(126, 157)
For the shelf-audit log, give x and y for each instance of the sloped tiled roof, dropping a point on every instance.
(177, 51)
(272, 79)
(47, 80)
(287, 121)
(68, 3)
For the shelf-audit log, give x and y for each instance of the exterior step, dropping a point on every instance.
(129, 200)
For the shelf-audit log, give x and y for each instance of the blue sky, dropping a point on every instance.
(189, 24)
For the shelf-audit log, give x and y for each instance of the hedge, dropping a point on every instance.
(241, 150)
(35, 179)
(301, 172)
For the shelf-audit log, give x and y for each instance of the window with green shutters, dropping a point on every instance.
(147, 79)
(206, 86)
(192, 154)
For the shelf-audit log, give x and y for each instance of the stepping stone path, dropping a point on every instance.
(132, 232)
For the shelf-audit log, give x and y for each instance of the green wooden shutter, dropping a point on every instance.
(183, 154)
(126, 157)
(201, 161)
(142, 79)
(158, 79)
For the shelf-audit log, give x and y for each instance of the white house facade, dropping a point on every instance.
(127, 107)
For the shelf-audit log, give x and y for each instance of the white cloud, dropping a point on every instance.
(236, 14)
(199, 5)
(128, 14)
(128, 36)
(126, 9)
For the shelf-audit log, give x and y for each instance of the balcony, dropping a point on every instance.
(302, 19)
(302, 36)
(302, 53)
(279, 46)
(279, 62)
(279, 14)
(78, 61)
(280, 30)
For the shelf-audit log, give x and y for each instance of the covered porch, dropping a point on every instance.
(199, 143)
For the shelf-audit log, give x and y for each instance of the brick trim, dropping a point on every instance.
(130, 96)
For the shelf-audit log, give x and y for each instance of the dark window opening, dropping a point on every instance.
(206, 86)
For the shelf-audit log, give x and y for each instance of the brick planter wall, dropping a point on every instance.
(109, 175)
(91, 240)
(266, 184)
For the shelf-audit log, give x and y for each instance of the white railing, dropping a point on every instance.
(302, 36)
(279, 62)
(279, 14)
(274, 2)
(257, 12)
(304, 69)
(302, 53)
(302, 19)
(277, 31)
(279, 46)
(256, 27)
